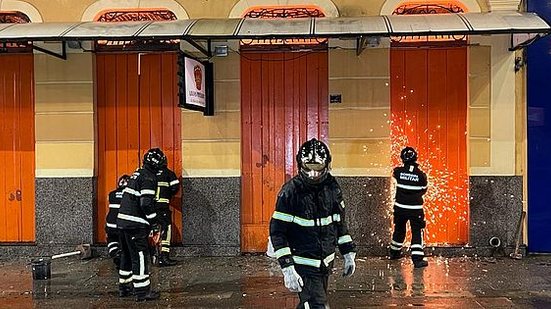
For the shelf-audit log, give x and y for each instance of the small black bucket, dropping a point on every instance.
(41, 268)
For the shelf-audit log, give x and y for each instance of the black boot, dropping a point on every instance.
(395, 254)
(164, 260)
(125, 289)
(420, 263)
(150, 295)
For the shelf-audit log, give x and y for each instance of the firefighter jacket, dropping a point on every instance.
(167, 186)
(138, 201)
(115, 198)
(308, 224)
(411, 184)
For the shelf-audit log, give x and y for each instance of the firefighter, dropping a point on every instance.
(411, 184)
(167, 187)
(111, 230)
(136, 218)
(307, 224)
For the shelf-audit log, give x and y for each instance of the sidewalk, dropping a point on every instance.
(256, 282)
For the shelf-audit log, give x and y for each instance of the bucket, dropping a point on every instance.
(41, 268)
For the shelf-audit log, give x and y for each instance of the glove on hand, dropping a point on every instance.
(349, 264)
(293, 281)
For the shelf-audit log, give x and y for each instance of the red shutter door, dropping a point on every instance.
(429, 112)
(283, 102)
(17, 219)
(136, 110)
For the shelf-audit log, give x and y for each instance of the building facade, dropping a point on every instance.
(83, 121)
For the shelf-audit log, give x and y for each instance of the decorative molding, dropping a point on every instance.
(390, 5)
(99, 6)
(503, 5)
(21, 6)
(240, 8)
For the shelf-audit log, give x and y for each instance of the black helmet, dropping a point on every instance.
(408, 155)
(123, 181)
(154, 158)
(313, 159)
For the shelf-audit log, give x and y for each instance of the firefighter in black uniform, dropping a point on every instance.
(111, 230)
(135, 220)
(411, 184)
(307, 225)
(167, 186)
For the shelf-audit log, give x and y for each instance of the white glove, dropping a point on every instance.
(349, 264)
(270, 252)
(293, 281)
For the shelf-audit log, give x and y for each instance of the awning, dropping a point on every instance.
(331, 27)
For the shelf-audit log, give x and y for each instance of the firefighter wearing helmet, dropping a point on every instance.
(111, 230)
(136, 218)
(307, 225)
(411, 185)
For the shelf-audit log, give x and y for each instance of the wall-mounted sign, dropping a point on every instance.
(196, 85)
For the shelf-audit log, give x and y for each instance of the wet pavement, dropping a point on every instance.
(256, 282)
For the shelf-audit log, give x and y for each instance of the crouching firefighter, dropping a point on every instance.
(135, 220)
(307, 225)
(411, 184)
(168, 185)
(115, 198)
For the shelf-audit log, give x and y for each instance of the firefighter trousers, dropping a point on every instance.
(416, 219)
(134, 265)
(165, 220)
(314, 292)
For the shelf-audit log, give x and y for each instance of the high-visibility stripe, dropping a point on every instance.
(416, 246)
(140, 277)
(282, 252)
(306, 222)
(329, 259)
(113, 243)
(393, 247)
(151, 216)
(165, 249)
(123, 281)
(118, 194)
(131, 191)
(174, 182)
(125, 273)
(113, 249)
(409, 206)
(142, 263)
(111, 225)
(409, 187)
(282, 216)
(142, 284)
(396, 243)
(306, 305)
(417, 253)
(165, 242)
(147, 192)
(132, 218)
(344, 239)
(342, 204)
(115, 206)
(307, 261)
(169, 233)
(163, 200)
(313, 262)
(162, 184)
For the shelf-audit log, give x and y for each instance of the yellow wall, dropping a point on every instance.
(211, 145)
(64, 115)
(359, 133)
(71, 10)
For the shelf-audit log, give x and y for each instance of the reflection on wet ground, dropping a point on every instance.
(256, 282)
